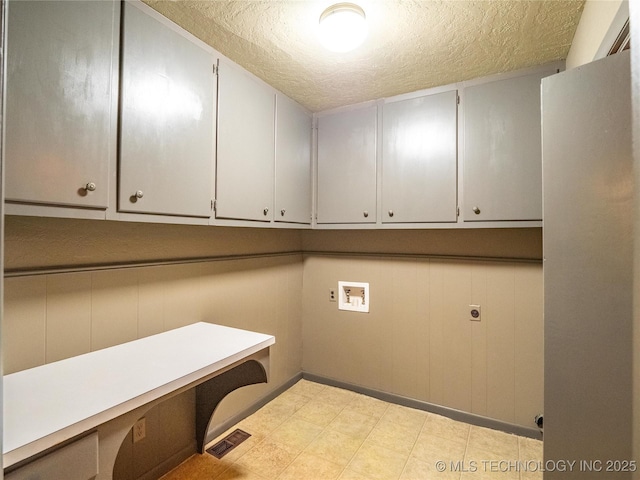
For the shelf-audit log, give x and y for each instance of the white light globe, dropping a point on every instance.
(343, 27)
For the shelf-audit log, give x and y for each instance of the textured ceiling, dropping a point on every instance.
(412, 44)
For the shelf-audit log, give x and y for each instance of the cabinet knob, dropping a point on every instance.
(365, 213)
(265, 211)
(476, 210)
(282, 212)
(139, 194)
(391, 213)
(90, 187)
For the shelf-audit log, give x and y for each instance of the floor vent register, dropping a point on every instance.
(228, 443)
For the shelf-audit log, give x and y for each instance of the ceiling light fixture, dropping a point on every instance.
(343, 27)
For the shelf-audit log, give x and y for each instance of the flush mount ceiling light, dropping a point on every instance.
(343, 27)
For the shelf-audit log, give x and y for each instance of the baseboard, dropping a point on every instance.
(452, 413)
(230, 422)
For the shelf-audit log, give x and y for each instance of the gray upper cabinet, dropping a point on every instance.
(246, 144)
(502, 150)
(419, 159)
(59, 102)
(167, 120)
(347, 166)
(293, 162)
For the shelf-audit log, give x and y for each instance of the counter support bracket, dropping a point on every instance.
(210, 393)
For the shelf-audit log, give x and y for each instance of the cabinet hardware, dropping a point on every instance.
(365, 213)
(90, 187)
(282, 212)
(265, 211)
(391, 213)
(476, 210)
(139, 194)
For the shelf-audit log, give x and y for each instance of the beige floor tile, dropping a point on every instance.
(490, 465)
(279, 408)
(353, 423)
(267, 419)
(393, 436)
(531, 458)
(297, 401)
(313, 432)
(489, 470)
(296, 433)
(307, 466)
(335, 446)
(416, 469)
(405, 416)
(349, 474)
(431, 448)
(368, 405)
(198, 466)
(446, 428)
(337, 396)
(531, 474)
(530, 449)
(378, 462)
(268, 459)
(319, 412)
(503, 445)
(307, 388)
(236, 472)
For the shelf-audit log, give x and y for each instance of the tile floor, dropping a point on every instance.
(318, 432)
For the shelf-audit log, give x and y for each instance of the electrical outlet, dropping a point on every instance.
(139, 430)
(475, 314)
(332, 295)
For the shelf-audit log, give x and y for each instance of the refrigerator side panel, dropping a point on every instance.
(588, 237)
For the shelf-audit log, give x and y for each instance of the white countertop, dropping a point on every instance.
(46, 405)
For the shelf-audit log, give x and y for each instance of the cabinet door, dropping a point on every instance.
(502, 150)
(58, 103)
(419, 153)
(167, 115)
(293, 162)
(347, 167)
(246, 144)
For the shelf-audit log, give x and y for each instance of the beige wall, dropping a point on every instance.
(35, 242)
(51, 317)
(598, 27)
(417, 341)
(516, 243)
(55, 316)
